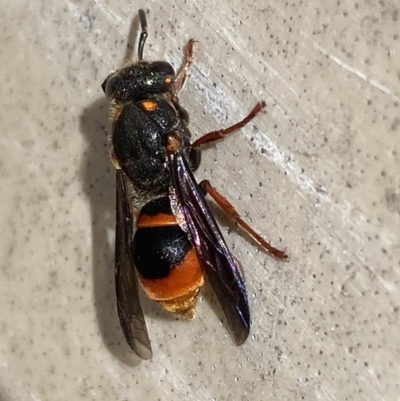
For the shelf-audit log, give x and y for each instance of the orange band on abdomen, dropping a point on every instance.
(158, 220)
(184, 278)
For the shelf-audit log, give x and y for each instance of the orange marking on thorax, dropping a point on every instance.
(149, 105)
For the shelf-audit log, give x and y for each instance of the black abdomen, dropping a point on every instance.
(157, 250)
(159, 244)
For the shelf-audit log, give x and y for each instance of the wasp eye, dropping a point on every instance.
(163, 67)
(110, 85)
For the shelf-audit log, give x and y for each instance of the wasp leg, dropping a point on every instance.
(182, 76)
(222, 133)
(231, 212)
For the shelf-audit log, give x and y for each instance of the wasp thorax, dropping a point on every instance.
(139, 80)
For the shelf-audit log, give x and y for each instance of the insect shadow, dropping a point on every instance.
(98, 185)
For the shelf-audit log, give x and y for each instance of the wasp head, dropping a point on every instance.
(139, 80)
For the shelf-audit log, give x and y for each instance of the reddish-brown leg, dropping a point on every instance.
(231, 212)
(222, 133)
(182, 76)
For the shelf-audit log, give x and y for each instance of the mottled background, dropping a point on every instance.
(317, 174)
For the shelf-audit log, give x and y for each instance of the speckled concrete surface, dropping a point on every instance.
(318, 173)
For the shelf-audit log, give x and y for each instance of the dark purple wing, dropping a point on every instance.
(129, 310)
(223, 270)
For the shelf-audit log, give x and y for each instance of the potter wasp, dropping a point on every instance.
(167, 238)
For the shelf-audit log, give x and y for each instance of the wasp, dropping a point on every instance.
(167, 238)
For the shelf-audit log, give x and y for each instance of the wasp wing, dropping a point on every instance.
(223, 270)
(129, 310)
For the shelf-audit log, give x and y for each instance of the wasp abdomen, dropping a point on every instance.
(168, 266)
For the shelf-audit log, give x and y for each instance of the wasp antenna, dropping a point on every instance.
(143, 34)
